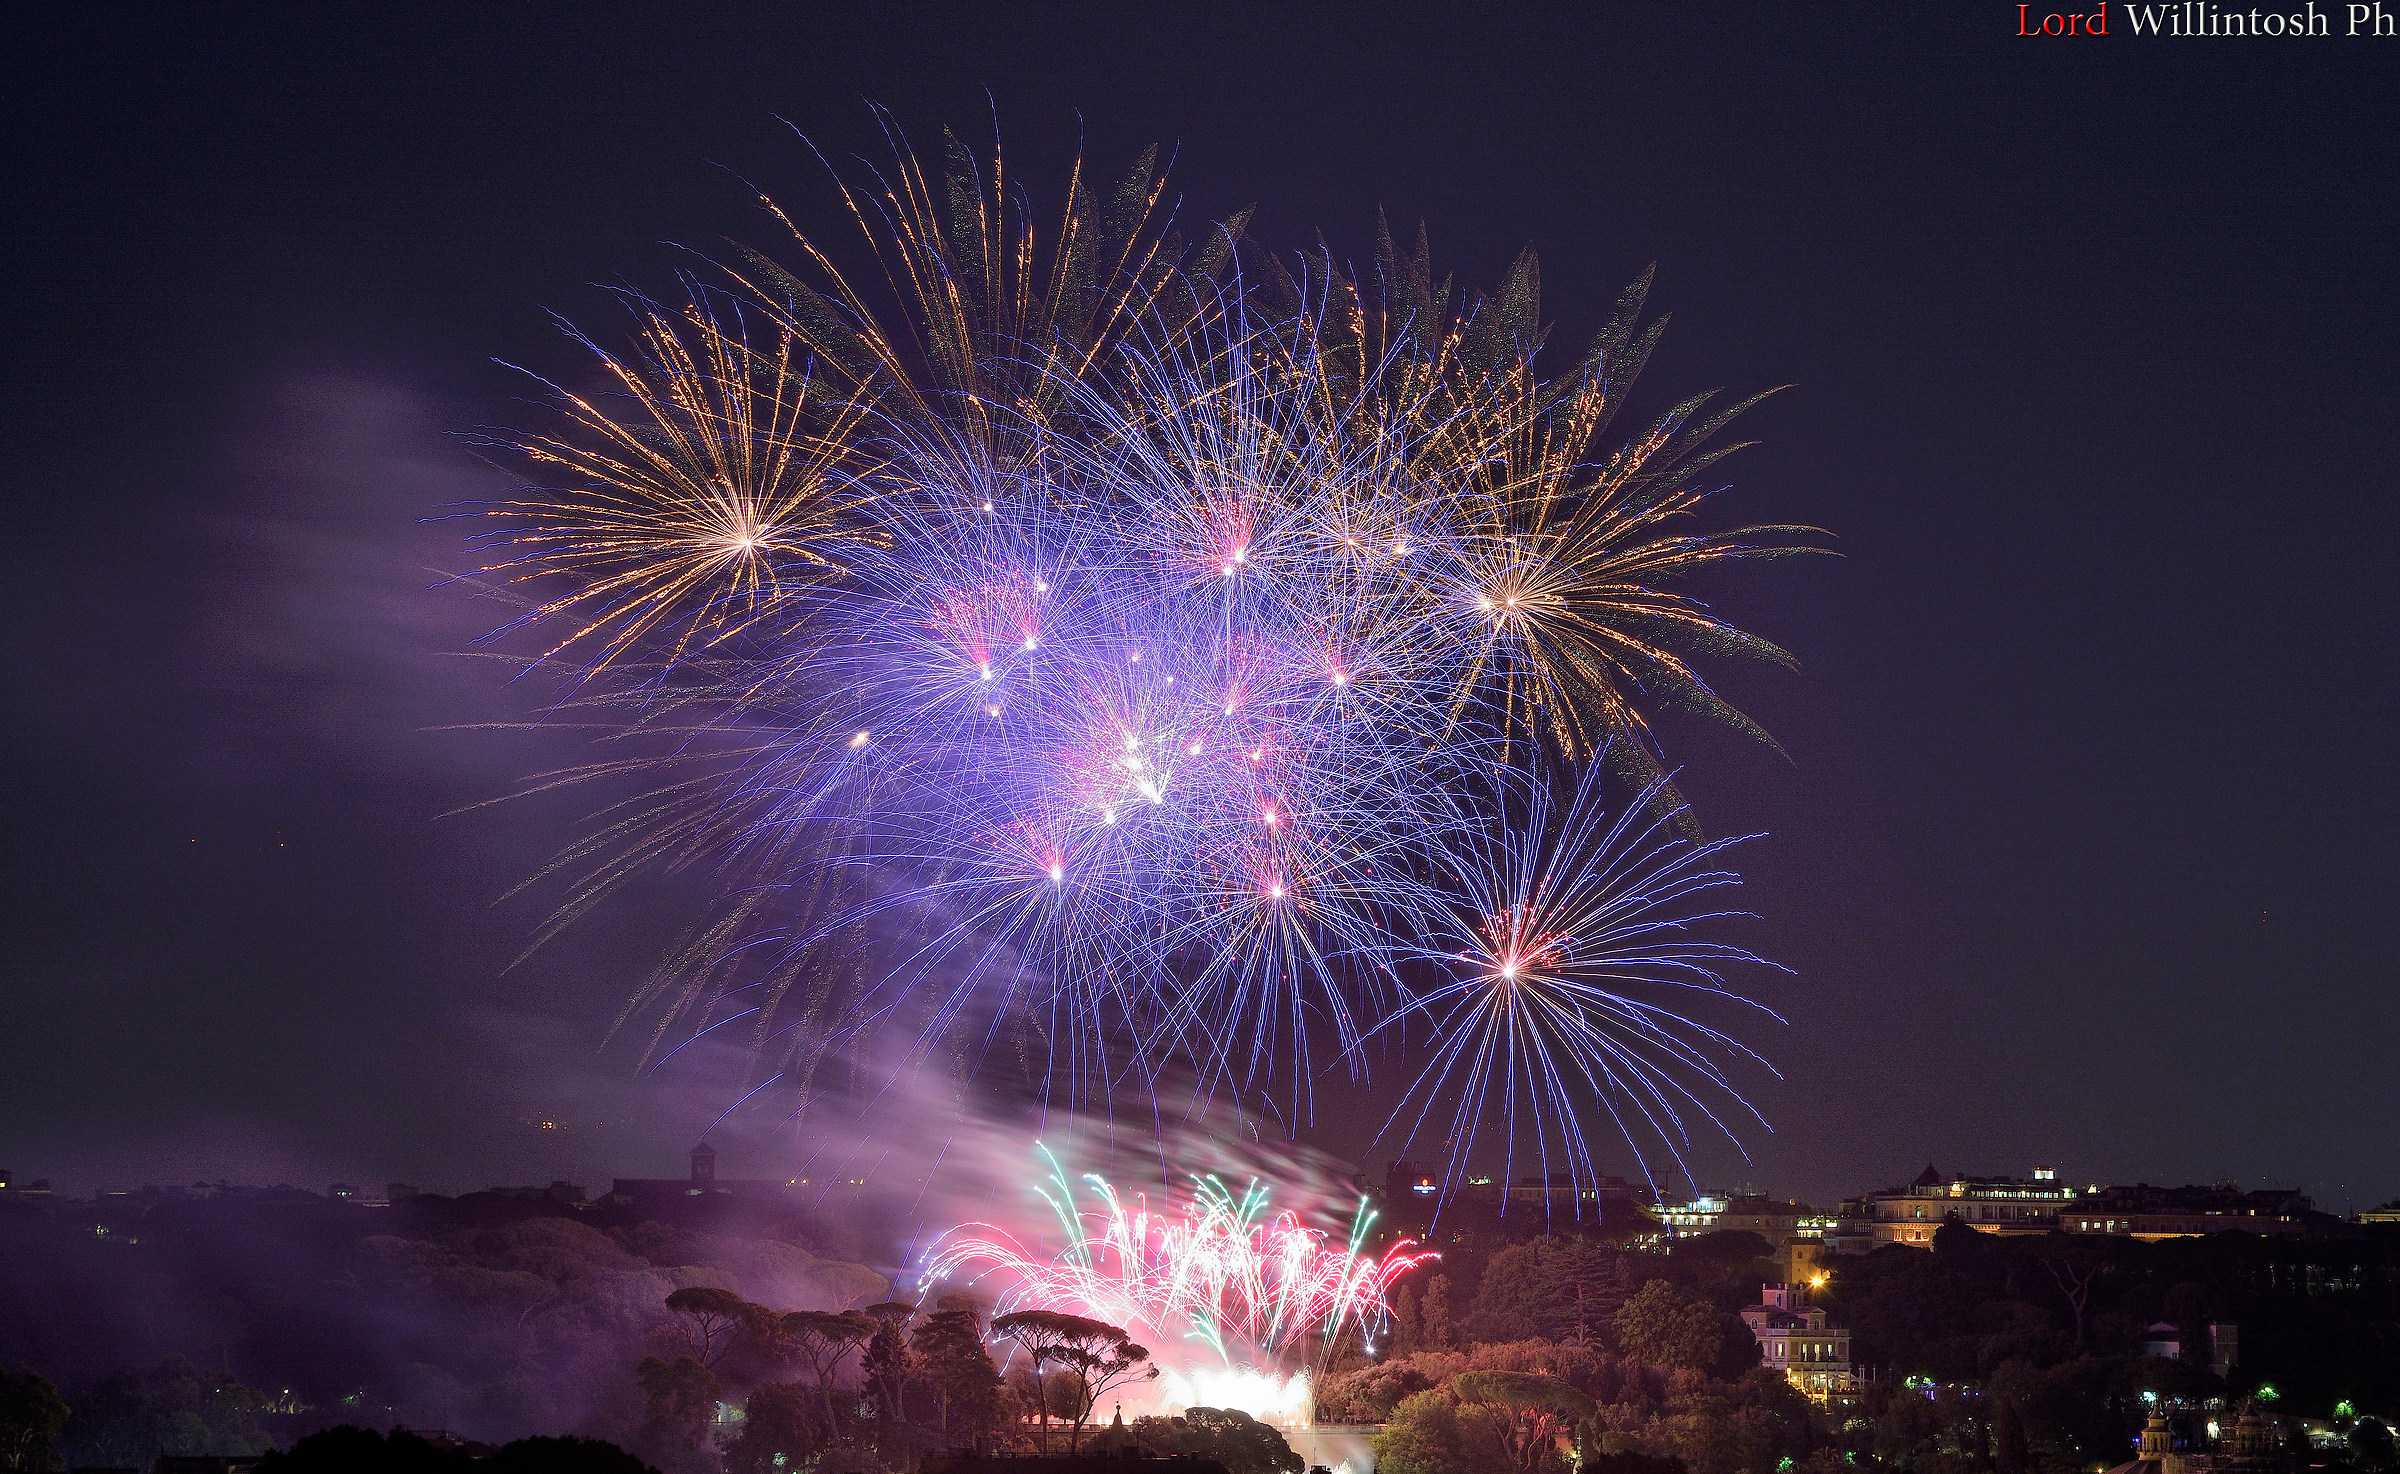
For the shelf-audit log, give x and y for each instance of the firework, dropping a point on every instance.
(1566, 964)
(1068, 649)
(1237, 1300)
(682, 518)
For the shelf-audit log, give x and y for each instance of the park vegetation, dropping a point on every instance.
(743, 1348)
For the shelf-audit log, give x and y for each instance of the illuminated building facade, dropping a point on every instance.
(2153, 1213)
(1996, 1205)
(1794, 1339)
(1777, 1221)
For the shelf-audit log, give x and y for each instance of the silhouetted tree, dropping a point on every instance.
(679, 1400)
(821, 1338)
(561, 1456)
(885, 1366)
(2371, 1446)
(951, 1359)
(134, 1414)
(1100, 1355)
(1232, 1437)
(32, 1415)
(716, 1320)
(352, 1450)
(783, 1426)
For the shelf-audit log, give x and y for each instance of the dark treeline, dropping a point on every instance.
(1985, 1354)
(735, 1340)
(238, 1322)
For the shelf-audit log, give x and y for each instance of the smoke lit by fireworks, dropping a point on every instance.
(1074, 652)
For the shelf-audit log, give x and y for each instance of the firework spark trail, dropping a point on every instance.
(1139, 666)
(1565, 915)
(1259, 1289)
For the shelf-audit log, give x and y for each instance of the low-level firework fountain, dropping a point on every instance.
(1240, 1304)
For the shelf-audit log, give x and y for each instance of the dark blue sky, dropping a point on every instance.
(2083, 854)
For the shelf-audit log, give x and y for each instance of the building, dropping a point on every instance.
(1852, 1230)
(2157, 1454)
(1407, 1181)
(2380, 1213)
(1996, 1205)
(1794, 1339)
(1776, 1220)
(565, 1194)
(2254, 1446)
(703, 1183)
(1565, 1187)
(2153, 1213)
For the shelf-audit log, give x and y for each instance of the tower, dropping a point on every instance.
(704, 1164)
(2157, 1442)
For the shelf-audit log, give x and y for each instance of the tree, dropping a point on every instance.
(885, 1367)
(353, 1450)
(562, 1456)
(2074, 1276)
(1660, 1326)
(1406, 1333)
(1955, 1240)
(1100, 1355)
(718, 1319)
(782, 1427)
(886, 1364)
(1433, 1314)
(1561, 1289)
(135, 1414)
(32, 1415)
(1434, 1433)
(1369, 1394)
(1232, 1437)
(679, 1400)
(2371, 1446)
(951, 1359)
(821, 1338)
(1543, 1412)
(1032, 1332)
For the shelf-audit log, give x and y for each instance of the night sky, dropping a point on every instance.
(2083, 853)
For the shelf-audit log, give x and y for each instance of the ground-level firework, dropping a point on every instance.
(1240, 1303)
